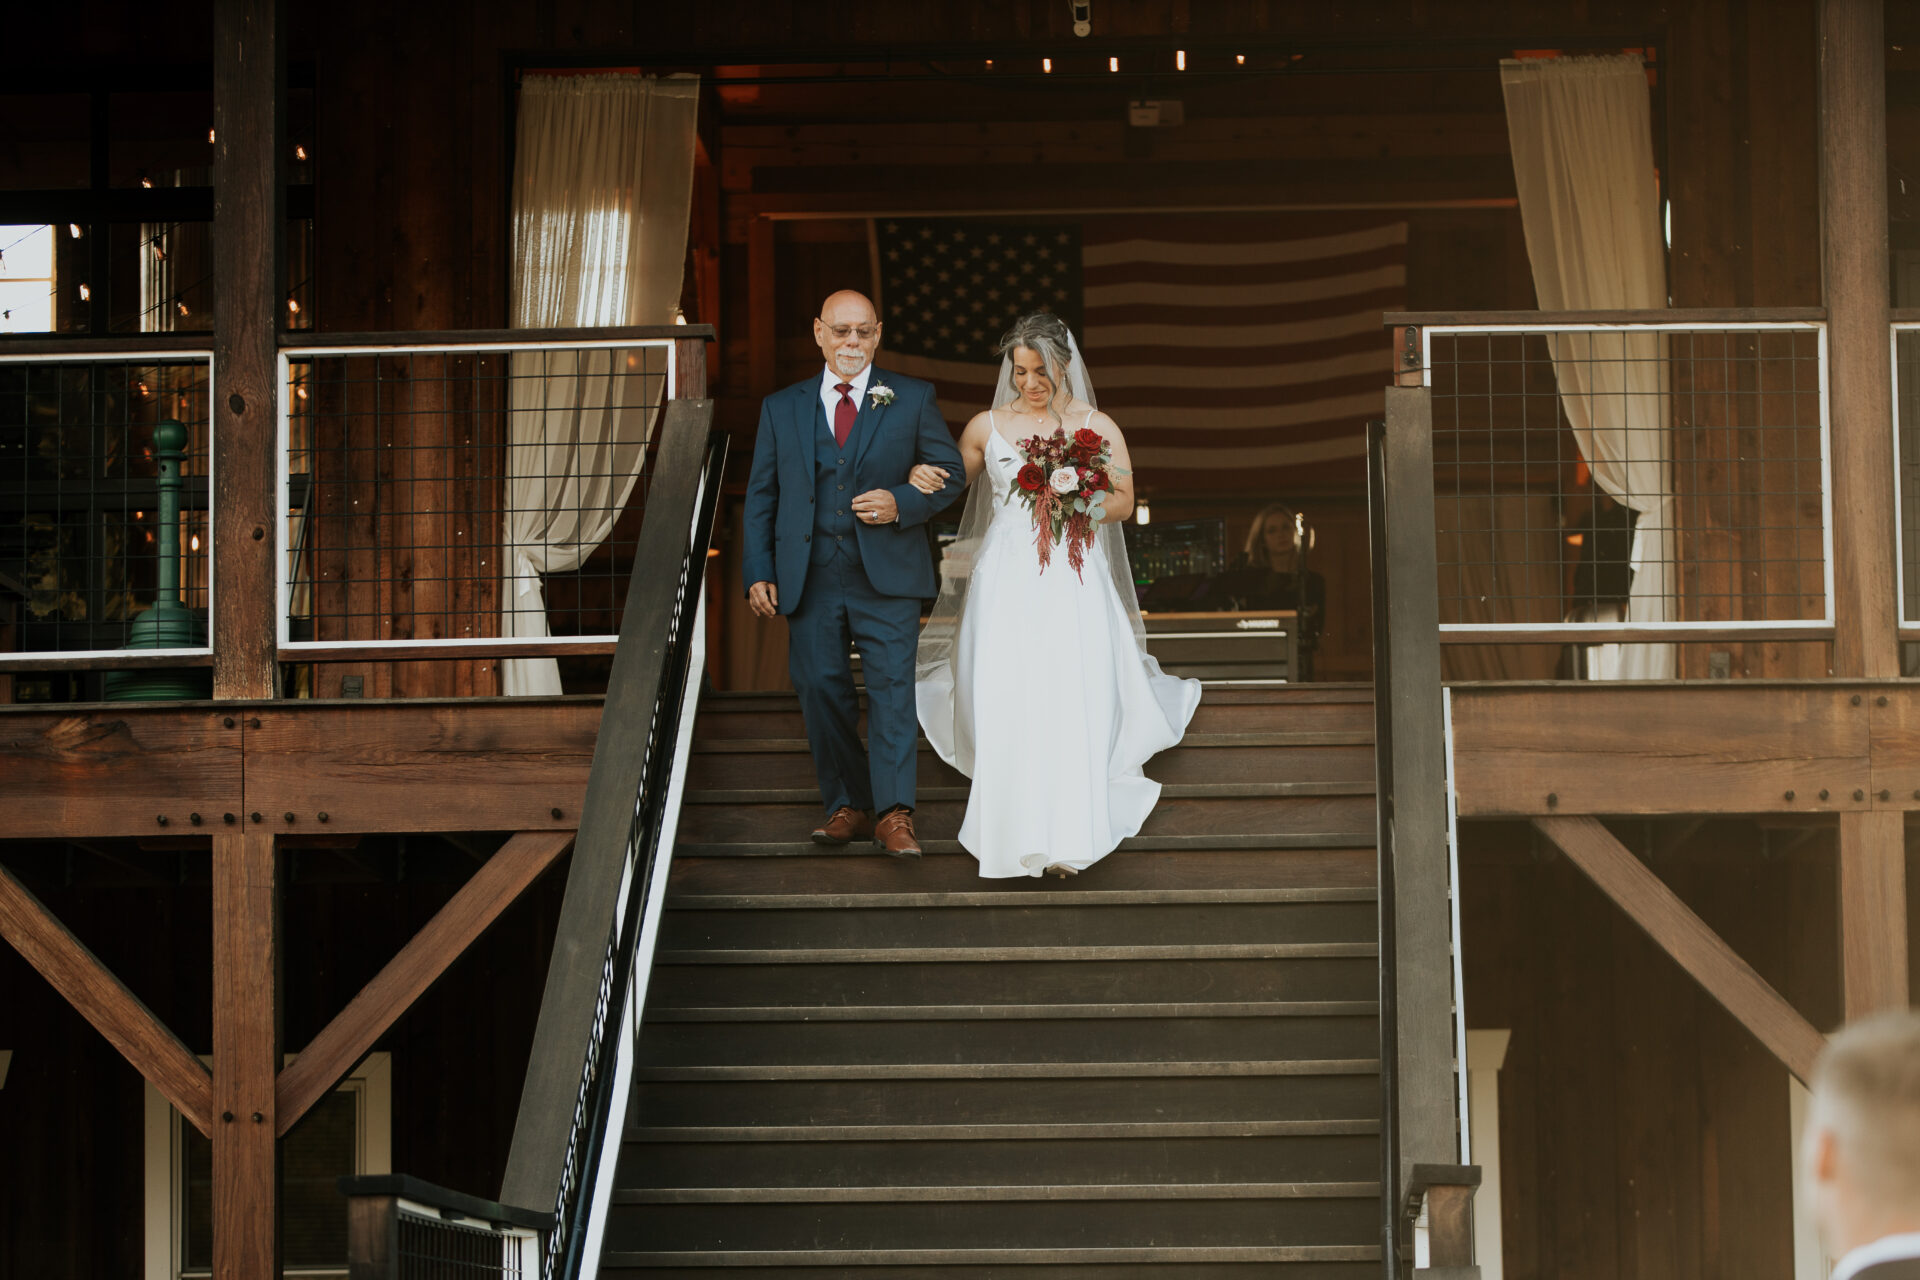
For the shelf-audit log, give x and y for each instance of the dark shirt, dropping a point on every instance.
(1250, 586)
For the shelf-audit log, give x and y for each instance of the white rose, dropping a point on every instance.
(1065, 480)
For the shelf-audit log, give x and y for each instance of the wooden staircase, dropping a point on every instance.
(1168, 1066)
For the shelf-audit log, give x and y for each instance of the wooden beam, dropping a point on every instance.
(469, 913)
(1722, 747)
(249, 62)
(117, 771)
(1675, 928)
(1873, 912)
(246, 1051)
(1853, 261)
(104, 1001)
(427, 766)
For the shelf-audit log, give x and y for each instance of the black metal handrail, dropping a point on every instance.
(1383, 843)
(561, 1135)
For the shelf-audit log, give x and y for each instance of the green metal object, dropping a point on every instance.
(168, 624)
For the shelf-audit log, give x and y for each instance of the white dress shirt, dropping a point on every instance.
(830, 398)
(1885, 1249)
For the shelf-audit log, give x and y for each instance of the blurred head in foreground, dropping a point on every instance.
(1860, 1154)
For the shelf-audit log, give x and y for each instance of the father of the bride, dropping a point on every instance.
(835, 540)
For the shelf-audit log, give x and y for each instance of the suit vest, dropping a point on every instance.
(833, 519)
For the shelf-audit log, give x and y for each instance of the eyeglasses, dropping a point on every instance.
(865, 332)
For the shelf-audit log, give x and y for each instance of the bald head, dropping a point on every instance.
(848, 332)
(1860, 1156)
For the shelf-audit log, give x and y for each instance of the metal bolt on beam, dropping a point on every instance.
(1823, 793)
(162, 819)
(1859, 794)
(1789, 795)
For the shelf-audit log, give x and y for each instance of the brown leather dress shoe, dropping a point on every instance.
(894, 834)
(845, 824)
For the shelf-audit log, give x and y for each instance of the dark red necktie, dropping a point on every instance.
(843, 414)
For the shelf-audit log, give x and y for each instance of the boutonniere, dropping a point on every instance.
(878, 394)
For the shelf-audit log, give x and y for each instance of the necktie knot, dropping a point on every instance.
(843, 388)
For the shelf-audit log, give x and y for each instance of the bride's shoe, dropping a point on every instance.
(1062, 870)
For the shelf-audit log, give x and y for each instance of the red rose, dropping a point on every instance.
(1032, 478)
(1089, 439)
(1094, 480)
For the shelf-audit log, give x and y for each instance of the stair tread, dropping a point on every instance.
(1276, 738)
(1017, 897)
(1017, 1070)
(1046, 1131)
(982, 1012)
(1136, 844)
(1168, 791)
(970, 955)
(1188, 1254)
(1012, 1191)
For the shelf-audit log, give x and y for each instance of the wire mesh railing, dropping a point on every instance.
(463, 498)
(106, 511)
(1628, 479)
(1906, 469)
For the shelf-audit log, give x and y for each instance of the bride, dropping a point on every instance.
(1037, 683)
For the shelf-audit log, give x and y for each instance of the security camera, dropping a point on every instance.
(1082, 16)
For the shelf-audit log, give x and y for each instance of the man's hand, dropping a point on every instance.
(927, 478)
(763, 599)
(876, 506)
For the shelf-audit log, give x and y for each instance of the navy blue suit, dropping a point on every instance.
(840, 579)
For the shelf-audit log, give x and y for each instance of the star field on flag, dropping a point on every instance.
(950, 287)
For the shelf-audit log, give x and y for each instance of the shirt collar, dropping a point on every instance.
(829, 380)
(1885, 1249)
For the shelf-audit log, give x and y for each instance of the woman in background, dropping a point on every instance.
(1269, 574)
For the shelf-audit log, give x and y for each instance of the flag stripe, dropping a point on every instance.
(1154, 293)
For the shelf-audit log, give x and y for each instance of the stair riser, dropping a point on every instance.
(940, 819)
(712, 770)
(846, 1102)
(1016, 982)
(1005, 1224)
(869, 872)
(1017, 1271)
(1213, 716)
(1034, 926)
(1036, 1041)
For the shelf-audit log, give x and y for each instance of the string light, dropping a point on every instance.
(299, 151)
(1113, 64)
(159, 254)
(209, 137)
(86, 294)
(182, 306)
(147, 182)
(301, 392)
(1180, 59)
(73, 228)
(1240, 59)
(293, 305)
(1046, 65)
(193, 543)
(1142, 513)
(989, 64)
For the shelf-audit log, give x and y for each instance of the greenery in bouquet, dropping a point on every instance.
(1065, 484)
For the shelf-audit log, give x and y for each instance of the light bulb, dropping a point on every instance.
(85, 293)
(1113, 64)
(1180, 59)
(1046, 65)
(1142, 513)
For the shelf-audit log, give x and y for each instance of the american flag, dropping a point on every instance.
(1235, 350)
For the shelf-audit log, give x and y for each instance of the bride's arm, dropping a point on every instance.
(1120, 505)
(928, 478)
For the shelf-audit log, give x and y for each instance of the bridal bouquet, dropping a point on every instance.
(1065, 483)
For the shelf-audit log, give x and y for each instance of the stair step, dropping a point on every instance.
(1137, 844)
(1192, 741)
(1334, 1095)
(717, 768)
(962, 1012)
(1013, 1070)
(981, 955)
(1169, 791)
(997, 898)
(903, 1195)
(809, 1263)
(1217, 714)
(1024, 1224)
(1159, 1130)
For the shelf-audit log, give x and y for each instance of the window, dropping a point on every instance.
(26, 279)
(348, 1132)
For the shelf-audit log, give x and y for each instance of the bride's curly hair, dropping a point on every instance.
(1046, 333)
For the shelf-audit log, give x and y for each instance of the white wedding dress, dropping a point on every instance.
(1047, 699)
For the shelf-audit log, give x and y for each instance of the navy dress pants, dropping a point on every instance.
(839, 605)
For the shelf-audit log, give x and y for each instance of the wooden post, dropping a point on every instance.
(246, 1054)
(248, 62)
(1873, 912)
(1853, 260)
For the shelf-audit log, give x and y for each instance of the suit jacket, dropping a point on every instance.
(1892, 1269)
(887, 440)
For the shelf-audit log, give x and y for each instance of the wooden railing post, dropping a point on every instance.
(248, 74)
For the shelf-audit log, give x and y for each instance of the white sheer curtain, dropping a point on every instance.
(603, 180)
(1582, 140)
